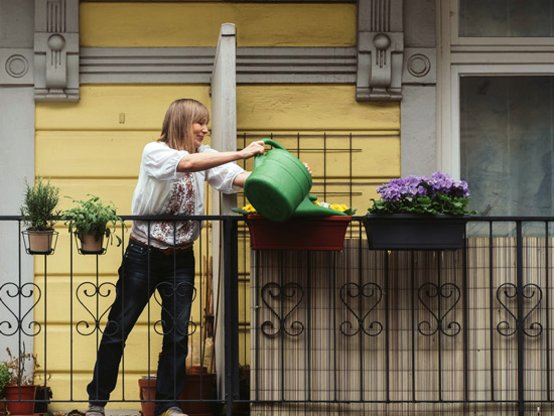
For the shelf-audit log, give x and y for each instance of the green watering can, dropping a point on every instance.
(307, 208)
(278, 183)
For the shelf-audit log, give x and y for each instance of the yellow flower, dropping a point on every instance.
(336, 207)
(249, 208)
(339, 207)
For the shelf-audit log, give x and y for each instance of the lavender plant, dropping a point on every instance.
(427, 195)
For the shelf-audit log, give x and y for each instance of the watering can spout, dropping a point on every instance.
(278, 183)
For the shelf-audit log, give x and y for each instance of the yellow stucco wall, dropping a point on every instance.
(197, 24)
(86, 148)
(94, 146)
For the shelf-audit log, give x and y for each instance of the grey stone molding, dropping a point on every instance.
(420, 66)
(296, 65)
(195, 65)
(16, 66)
(56, 50)
(380, 50)
(146, 65)
(254, 65)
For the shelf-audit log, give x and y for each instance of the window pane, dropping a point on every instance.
(506, 18)
(506, 140)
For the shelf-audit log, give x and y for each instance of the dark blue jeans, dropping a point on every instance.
(143, 271)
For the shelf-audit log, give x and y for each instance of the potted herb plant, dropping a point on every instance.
(37, 211)
(90, 221)
(20, 389)
(419, 212)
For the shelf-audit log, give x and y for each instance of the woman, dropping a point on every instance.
(159, 255)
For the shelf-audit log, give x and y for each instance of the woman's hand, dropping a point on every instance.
(256, 148)
(253, 149)
(195, 162)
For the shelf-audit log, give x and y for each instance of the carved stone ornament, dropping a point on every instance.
(380, 50)
(56, 50)
(17, 66)
(419, 66)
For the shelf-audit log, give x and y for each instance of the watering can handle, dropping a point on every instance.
(259, 158)
(273, 143)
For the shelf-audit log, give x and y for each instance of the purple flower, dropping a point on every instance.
(440, 182)
(408, 187)
(438, 193)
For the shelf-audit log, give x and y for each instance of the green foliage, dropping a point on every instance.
(92, 216)
(39, 204)
(423, 205)
(5, 377)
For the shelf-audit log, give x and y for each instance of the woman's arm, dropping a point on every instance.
(240, 179)
(201, 161)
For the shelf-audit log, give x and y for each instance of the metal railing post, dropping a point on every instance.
(230, 281)
(520, 321)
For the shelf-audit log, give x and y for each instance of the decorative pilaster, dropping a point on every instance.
(380, 50)
(56, 50)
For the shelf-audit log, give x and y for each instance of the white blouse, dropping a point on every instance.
(162, 190)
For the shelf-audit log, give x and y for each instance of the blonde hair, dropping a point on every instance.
(178, 121)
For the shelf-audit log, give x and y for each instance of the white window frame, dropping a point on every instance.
(465, 56)
(504, 40)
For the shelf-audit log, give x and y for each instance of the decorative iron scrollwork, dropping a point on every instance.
(285, 296)
(370, 295)
(169, 289)
(509, 292)
(447, 294)
(25, 291)
(90, 290)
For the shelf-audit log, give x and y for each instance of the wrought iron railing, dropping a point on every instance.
(59, 313)
(355, 331)
(364, 331)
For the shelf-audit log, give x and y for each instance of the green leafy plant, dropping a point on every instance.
(39, 204)
(5, 377)
(92, 216)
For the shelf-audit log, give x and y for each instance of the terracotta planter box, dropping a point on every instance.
(301, 233)
(413, 232)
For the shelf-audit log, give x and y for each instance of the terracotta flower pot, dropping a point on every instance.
(91, 244)
(196, 397)
(200, 386)
(20, 399)
(147, 388)
(40, 242)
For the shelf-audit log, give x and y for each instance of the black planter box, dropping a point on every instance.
(414, 232)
